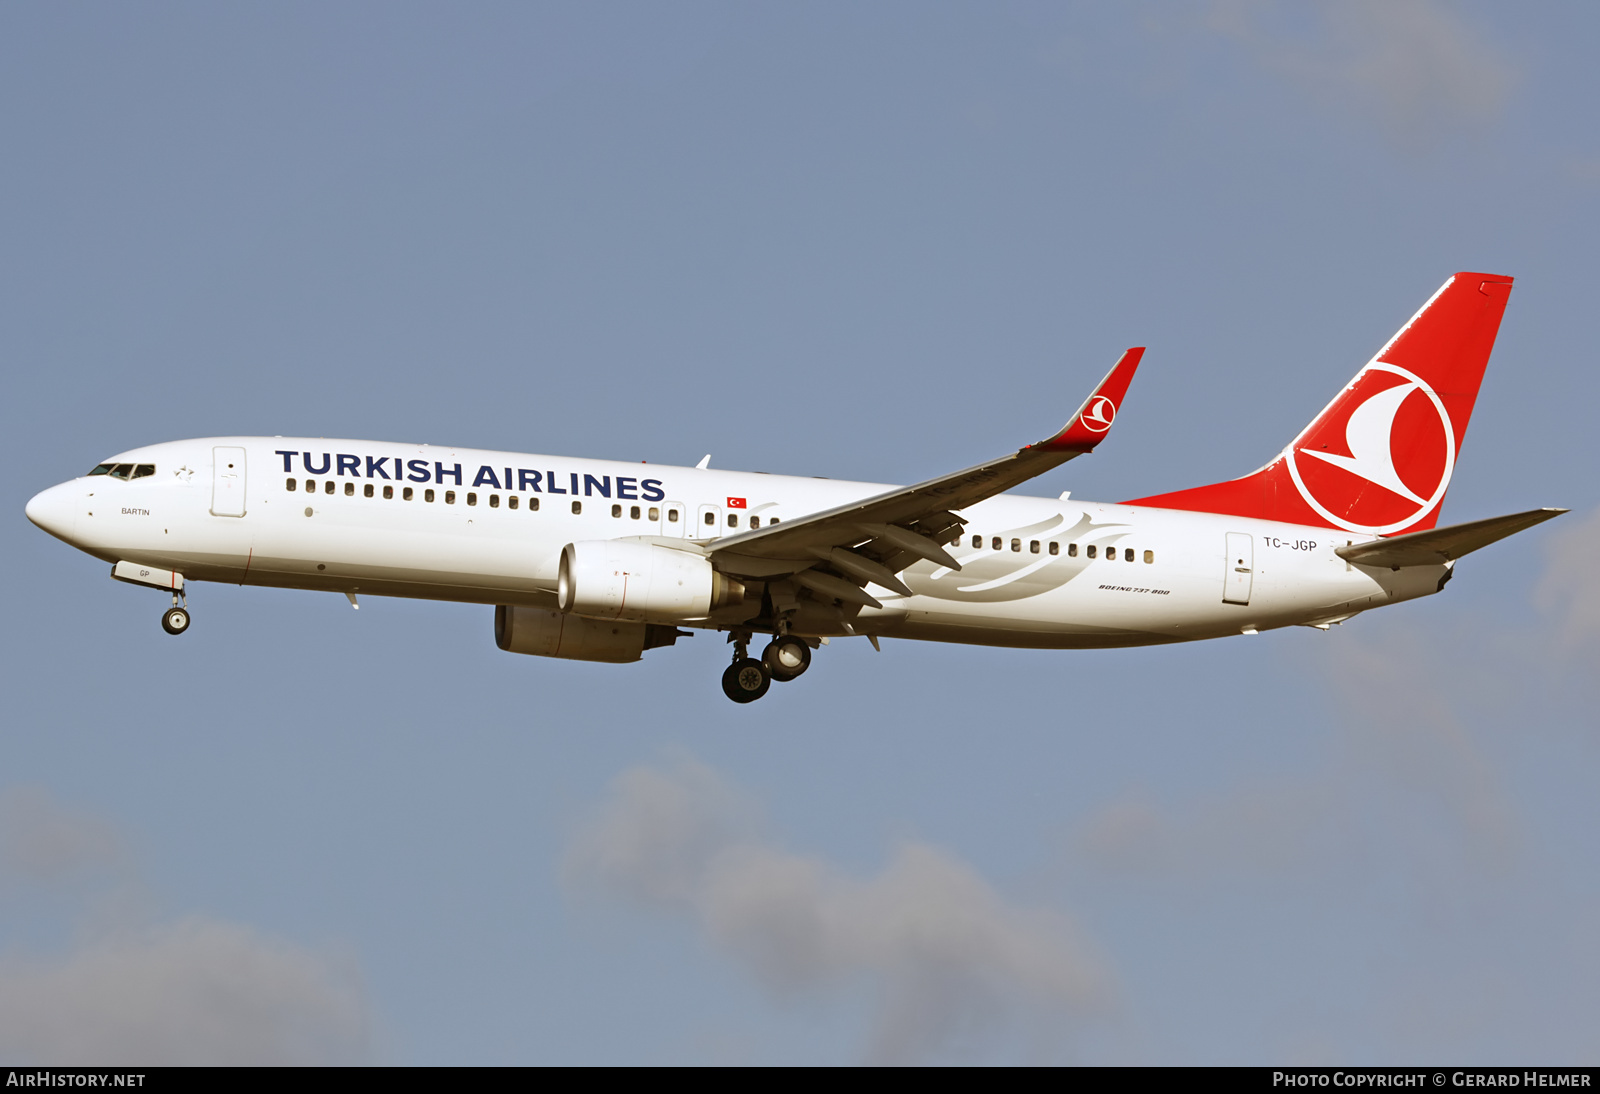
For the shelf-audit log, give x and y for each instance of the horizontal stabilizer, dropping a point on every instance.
(1438, 545)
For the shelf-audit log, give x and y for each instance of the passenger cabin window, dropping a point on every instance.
(996, 543)
(1033, 546)
(633, 512)
(350, 490)
(1149, 556)
(1090, 551)
(406, 494)
(329, 487)
(655, 513)
(1055, 548)
(577, 508)
(733, 520)
(449, 497)
(977, 541)
(1016, 545)
(494, 501)
(511, 502)
(755, 522)
(311, 486)
(616, 511)
(367, 490)
(290, 484)
(672, 516)
(472, 499)
(1072, 550)
(533, 503)
(711, 518)
(427, 495)
(388, 492)
(1127, 556)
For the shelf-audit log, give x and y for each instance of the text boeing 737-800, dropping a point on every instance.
(600, 561)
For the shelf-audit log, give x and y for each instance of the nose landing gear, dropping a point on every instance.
(175, 620)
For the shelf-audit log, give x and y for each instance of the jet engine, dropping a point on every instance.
(627, 579)
(544, 633)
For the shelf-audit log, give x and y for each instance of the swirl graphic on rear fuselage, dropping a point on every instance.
(990, 576)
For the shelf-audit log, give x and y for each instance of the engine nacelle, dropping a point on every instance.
(626, 579)
(544, 633)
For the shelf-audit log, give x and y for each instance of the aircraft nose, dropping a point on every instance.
(54, 509)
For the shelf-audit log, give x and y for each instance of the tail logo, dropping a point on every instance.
(1099, 414)
(1370, 436)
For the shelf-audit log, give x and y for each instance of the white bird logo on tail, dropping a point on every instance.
(1369, 434)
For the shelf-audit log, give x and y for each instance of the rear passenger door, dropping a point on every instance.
(1240, 569)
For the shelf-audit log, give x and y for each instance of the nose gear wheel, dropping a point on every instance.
(175, 620)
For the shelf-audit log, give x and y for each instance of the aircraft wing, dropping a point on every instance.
(1437, 545)
(875, 538)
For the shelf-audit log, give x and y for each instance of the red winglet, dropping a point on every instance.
(1089, 426)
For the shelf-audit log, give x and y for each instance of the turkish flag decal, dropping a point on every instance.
(735, 503)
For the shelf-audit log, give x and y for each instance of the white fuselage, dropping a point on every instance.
(1192, 575)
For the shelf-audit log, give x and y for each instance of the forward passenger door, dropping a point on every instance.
(227, 482)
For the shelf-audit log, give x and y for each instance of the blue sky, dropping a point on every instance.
(866, 241)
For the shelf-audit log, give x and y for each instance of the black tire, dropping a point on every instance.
(175, 620)
(746, 680)
(786, 658)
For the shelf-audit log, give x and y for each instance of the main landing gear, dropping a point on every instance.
(786, 657)
(175, 620)
(748, 679)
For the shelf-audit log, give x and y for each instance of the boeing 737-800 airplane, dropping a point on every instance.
(600, 561)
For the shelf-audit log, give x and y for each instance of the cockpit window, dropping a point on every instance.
(125, 470)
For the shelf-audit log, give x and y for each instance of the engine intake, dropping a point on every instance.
(626, 579)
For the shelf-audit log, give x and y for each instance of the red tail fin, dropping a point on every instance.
(1378, 460)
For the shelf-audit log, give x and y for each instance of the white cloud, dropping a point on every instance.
(1263, 827)
(1570, 588)
(197, 991)
(954, 961)
(1415, 65)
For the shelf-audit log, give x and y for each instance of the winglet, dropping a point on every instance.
(1089, 426)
